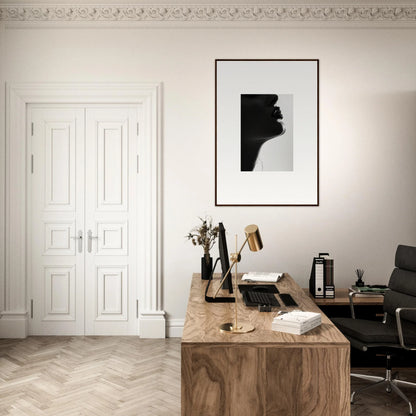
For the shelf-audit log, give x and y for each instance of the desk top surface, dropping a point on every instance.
(203, 319)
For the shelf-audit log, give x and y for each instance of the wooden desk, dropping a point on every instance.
(263, 372)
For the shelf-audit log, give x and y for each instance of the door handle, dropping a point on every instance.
(90, 237)
(79, 238)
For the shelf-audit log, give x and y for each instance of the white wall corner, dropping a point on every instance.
(13, 325)
(175, 328)
(152, 324)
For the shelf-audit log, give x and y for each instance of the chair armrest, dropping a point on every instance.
(400, 329)
(355, 292)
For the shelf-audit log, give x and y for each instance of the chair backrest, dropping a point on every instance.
(402, 284)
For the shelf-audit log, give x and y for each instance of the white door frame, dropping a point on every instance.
(14, 317)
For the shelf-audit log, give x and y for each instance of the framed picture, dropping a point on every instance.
(266, 132)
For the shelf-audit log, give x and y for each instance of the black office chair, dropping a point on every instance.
(398, 329)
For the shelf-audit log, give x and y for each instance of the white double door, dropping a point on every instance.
(82, 219)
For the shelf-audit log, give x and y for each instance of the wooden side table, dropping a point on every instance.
(366, 307)
(341, 298)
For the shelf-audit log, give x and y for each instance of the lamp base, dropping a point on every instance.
(242, 328)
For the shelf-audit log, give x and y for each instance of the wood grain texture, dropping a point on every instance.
(89, 376)
(203, 319)
(264, 372)
(280, 363)
(341, 298)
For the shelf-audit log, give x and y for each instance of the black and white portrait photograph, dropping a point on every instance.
(266, 132)
(266, 138)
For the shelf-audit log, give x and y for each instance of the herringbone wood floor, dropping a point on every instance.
(120, 376)
(94, 376)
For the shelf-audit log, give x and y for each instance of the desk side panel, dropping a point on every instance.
(308, 381)
(218, 380)
(326, 381)
(244, 380)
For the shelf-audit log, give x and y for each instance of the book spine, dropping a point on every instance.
(329, 279)
(319, 278)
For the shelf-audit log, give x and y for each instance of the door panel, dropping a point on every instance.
(112, 164)
(56, 200)
(83, 184)
(112, 239)
(112, 292)
(58, 238)
(60, 178)
(111, 221)
(59, 293)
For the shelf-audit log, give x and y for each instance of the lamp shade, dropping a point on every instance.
(254, 238)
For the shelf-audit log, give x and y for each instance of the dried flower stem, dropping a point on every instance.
(204, 235)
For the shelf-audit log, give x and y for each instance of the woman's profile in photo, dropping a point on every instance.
(261, 120)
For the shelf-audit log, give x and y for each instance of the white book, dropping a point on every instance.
(262, 277)
(296, 331)
(296, 322)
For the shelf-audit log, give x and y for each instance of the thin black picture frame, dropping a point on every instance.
(314, 162)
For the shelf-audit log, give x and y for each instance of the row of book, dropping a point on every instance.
(321, 282)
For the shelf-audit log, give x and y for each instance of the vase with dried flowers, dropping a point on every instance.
(204, 235)
(359, 273)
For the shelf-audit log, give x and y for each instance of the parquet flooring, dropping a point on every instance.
(94, 376)
(121, 376)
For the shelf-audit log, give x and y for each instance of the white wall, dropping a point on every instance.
(367, 136)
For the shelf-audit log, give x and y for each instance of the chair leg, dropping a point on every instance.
(402, 395)
(370, 386)
(403, 383)
(392, 384)
(367, 377)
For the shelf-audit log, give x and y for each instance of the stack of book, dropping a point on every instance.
(374, 289)
(296, 322)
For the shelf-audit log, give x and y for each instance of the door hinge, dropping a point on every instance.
(137, 308)
(31, 129)
(31, 163)
(137, 160)
(31, 308)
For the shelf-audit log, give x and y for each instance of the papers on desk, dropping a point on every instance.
(296, 322)
(262, 277)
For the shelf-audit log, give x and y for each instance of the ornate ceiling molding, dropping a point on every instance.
(205, 13)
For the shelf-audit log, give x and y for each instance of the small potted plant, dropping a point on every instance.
(204, 235)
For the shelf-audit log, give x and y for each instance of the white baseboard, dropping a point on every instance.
(175, 328)
(13, 325)
(152, 324)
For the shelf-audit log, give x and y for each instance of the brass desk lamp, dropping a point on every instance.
(253, 239)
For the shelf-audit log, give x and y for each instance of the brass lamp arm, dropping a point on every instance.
(236, 260)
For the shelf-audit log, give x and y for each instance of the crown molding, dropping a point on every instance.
(207, 13)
